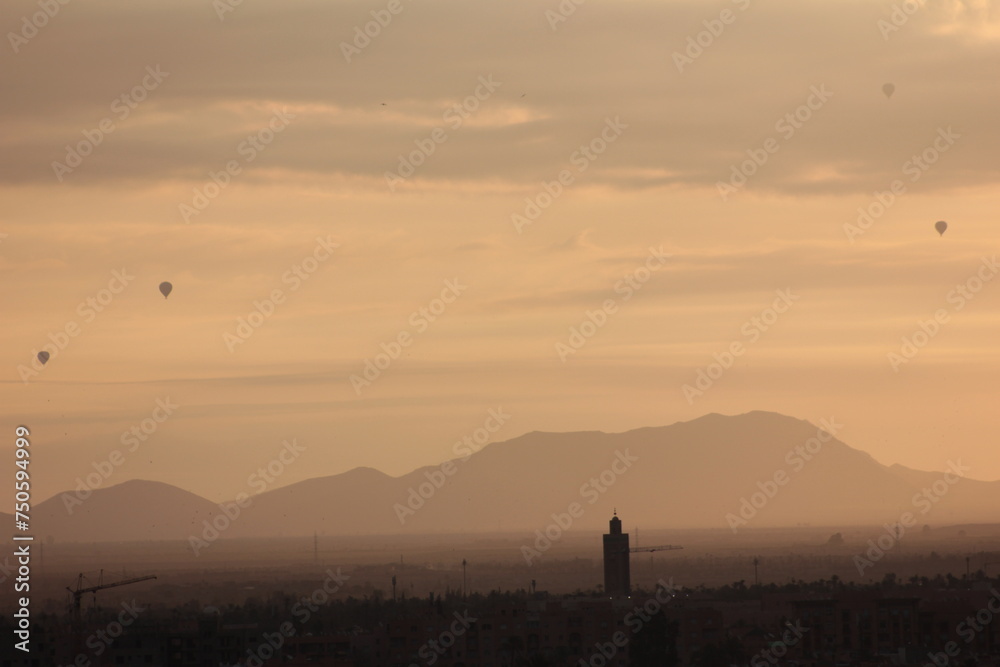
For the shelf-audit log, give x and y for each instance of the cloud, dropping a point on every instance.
(227, 78)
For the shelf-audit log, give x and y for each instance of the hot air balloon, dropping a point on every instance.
(940, 226)
(165, 289)
(888, 89)
(43, 356)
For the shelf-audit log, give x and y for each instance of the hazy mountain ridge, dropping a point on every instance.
(132, 510)
(708, 472)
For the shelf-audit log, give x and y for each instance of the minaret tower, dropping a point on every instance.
(617, 581)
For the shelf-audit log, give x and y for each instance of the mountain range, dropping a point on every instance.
(758, 469)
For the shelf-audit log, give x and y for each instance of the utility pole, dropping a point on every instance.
(464, 584)
(756, 581)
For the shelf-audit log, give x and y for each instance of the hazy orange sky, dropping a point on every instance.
(330, 118)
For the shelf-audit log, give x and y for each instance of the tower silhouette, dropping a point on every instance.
(617, 580)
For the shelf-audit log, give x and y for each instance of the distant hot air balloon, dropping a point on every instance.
(888, 89)
(940, 226)
(43, 356)
(165, 289)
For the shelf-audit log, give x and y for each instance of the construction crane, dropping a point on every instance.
(81, 591)
(665, 547)
(668, 547)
